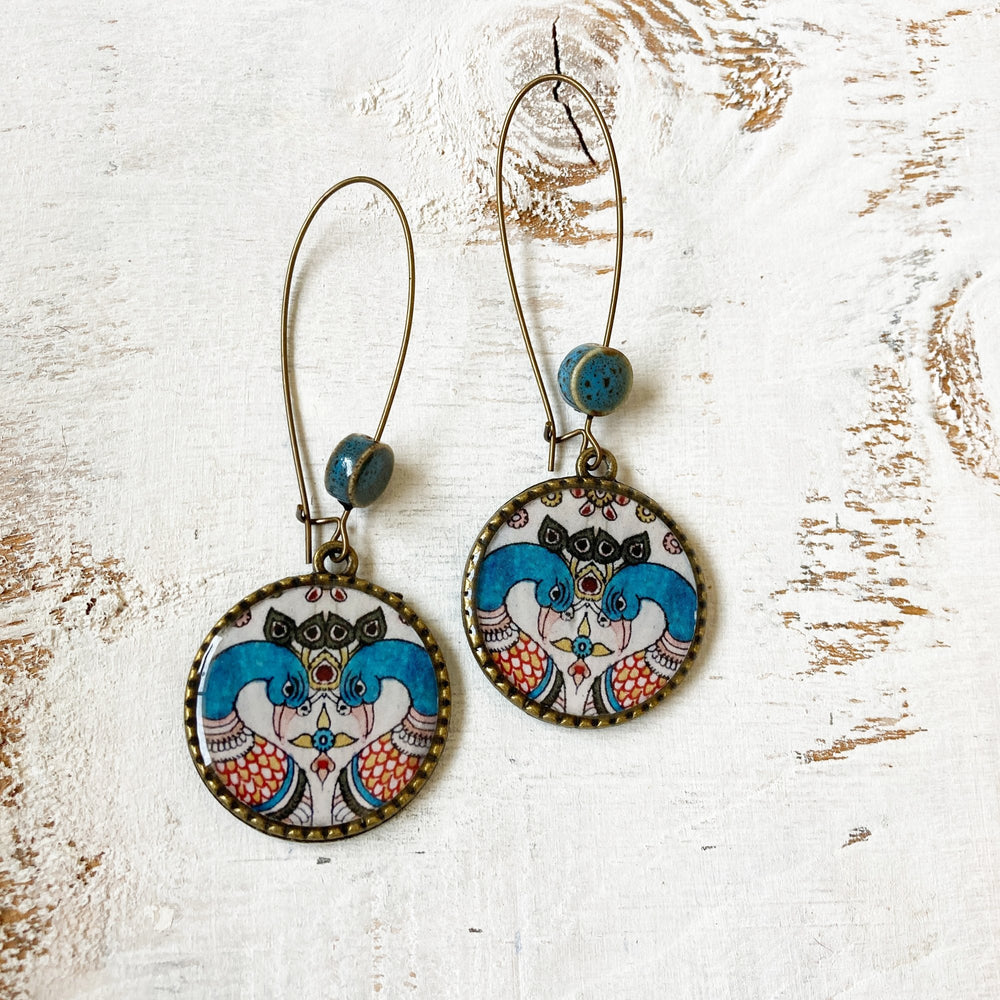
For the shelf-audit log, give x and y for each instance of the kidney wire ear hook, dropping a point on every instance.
(591, 453)
(566, 582)
(356, 449)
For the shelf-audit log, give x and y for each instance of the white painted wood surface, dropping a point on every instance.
(809, 300)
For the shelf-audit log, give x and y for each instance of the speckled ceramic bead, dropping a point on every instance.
(359, 470)
(595, 380)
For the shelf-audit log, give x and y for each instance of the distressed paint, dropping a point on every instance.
(48, 881)
(963, 404)
(808, 297)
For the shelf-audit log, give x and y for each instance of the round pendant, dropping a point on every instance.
(582, 601)
(317, 707)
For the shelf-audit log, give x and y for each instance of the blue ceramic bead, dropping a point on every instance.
(595, 380)
(359, 470)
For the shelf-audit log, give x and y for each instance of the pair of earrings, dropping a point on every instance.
(318, 706)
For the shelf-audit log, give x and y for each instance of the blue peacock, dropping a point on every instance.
(522, 661)
(258, 773)
(638, 676)
(383, 768)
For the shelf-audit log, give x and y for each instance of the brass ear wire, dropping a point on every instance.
(338, 548)
(591, 452)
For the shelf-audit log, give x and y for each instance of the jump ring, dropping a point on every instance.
(590, 459)
(336, 552)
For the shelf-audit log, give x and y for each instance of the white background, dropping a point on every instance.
(809, 301)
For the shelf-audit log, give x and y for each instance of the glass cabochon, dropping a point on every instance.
(317, 707)
(582, 601)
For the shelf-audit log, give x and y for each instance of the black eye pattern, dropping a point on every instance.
(339, 632)
(289, 689)
(606, 549)
(635, 549)
(582, 543)
(311, 633)
(370, 628)
(278, 628)
(358, 687)
(552, 535)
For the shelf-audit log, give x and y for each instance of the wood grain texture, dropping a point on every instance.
(808, 301)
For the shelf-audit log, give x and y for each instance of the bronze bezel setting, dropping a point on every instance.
(474, 632)
(318, 833)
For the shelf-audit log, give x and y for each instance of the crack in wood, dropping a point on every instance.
(750, 75)
(565, 104)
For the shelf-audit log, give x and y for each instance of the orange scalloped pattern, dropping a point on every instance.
(384, 770)
(632, 681)
(523, 664)
(256, 777)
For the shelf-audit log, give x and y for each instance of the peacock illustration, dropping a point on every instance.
(638, 676)
(322, 642)
(258, 773)
(379, 772)
(524, 663)
(592, 556)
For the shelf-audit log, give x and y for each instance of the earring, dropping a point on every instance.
(289, 717)
(582, 601)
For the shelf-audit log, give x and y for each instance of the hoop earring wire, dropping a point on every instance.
(591, 453)
(338, 549)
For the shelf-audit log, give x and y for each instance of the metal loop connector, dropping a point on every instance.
(337, 550)
(591, 459)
